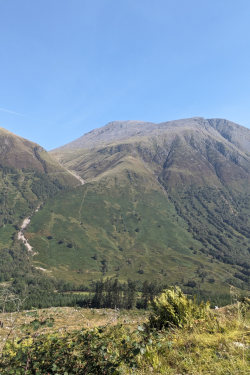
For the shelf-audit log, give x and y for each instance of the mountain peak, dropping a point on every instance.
(116, 131)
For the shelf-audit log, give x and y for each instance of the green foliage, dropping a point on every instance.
(36, 324)
(173, 308)
(94, 235)
(99, 221)
(208, 214)
(216, 345)
(20, 193)
(97, 351)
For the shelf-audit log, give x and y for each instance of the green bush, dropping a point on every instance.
(173, 308)
(104, 350)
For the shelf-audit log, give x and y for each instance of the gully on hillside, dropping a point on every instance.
(20, 234)
(26, 221)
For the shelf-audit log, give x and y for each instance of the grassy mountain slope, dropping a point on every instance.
(21, 154)
(163, 201)
(116, 228)
(29, 175)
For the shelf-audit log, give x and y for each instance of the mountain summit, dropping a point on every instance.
(120, 130)
(196, 151)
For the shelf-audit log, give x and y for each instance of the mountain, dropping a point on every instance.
(19, 153)
(29, 175)
(193, 150)
(120, 130)
(167, 202)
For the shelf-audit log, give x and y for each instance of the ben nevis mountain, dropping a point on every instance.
(168, 202)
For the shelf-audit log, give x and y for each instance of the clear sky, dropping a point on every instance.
(68, 66)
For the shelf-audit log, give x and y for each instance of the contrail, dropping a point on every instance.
(11, 112)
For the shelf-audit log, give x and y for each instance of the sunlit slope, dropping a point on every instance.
(22, 154)
(184, 152)
(122, 225)
(28, 176)
(201, 169)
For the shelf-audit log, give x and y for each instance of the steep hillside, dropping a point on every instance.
(21, 154)
(168, 201)
(29, 175)
(234, 133)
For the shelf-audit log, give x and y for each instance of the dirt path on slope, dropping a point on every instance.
(73, 173)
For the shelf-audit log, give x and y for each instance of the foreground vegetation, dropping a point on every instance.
(179, 337)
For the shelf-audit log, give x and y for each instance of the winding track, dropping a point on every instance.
(79, 178)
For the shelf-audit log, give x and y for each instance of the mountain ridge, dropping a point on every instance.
(221, 155)
(119, 130)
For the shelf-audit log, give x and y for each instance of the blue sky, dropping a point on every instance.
(68, 66)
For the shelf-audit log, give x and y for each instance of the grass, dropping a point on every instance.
(66, 319)
(198, 352)
(28, 175)
(163, 208)
(220, 345)
(131, 226)
(217, 345)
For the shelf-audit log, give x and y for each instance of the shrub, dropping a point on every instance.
(94, 352)
(191, 284)
(173, 308)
